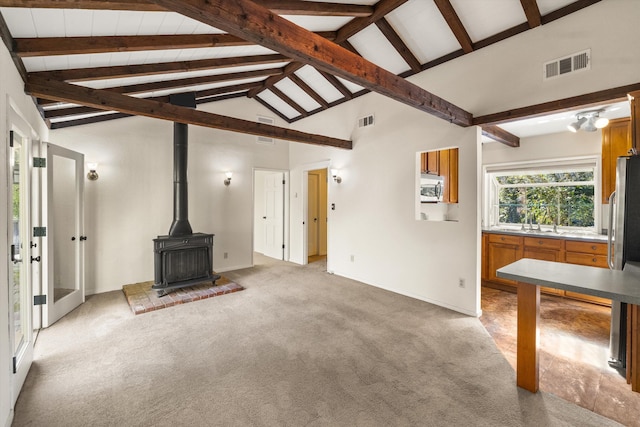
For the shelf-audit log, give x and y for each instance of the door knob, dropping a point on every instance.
(82, 238)
(264, 217)
(36, 259)
(315, 219)
(73, 238)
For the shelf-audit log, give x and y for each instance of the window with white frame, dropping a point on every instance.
(560, 195)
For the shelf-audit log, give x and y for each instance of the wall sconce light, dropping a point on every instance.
(92, 175)
(336, 177)
(228, 180)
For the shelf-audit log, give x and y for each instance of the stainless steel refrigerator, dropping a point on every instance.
(624, 245)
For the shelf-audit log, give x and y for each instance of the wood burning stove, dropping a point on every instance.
(182, 258)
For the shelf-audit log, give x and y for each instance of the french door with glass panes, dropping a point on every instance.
(63, 212)
(21, 259)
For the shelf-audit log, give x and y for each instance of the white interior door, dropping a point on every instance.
(313, 214)
(20, 289)
(64, 257)
(273, 217)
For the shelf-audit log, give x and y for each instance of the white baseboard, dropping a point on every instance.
(236, 267)
(419, 297)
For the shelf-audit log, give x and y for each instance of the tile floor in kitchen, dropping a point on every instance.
(574, 348)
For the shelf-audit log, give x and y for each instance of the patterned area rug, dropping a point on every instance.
(142, 298)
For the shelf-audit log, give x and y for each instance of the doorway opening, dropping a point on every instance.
(270, 213)
(317, 215)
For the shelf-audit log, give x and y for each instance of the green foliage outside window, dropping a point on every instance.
(561, 198)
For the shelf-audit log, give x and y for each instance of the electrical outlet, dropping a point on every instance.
(353, 258)
(461, 283)
(226, 255)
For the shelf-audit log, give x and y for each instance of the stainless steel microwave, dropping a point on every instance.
(431, 187)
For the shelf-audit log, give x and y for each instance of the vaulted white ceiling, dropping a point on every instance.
(405, 40)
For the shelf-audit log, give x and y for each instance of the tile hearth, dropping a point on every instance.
(143, 299)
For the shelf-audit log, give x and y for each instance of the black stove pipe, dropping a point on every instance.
(180, 225)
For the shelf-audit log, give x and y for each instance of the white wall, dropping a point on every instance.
(544, 147)
(374, 218)
(11, 93)
(132, 201)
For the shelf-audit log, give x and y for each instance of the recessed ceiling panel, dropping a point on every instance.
(176, 76)
(49, 22)
(277, 103)
(485, 18)
(318, 23)
(298, 95)
(24, 22)
(19, 21)
(319, 84)
(197, 88)
(423, 29)
(375, 47)
(548, 6)
(353, 88)
(48, 63)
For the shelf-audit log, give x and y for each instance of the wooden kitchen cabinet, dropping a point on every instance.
(616, 142)
(430, 162)
(546, 250)
(502, 250)
(443, 163)
(587, 253)
(449, 170)
(499, 250)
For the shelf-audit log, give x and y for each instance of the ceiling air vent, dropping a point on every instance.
(569, 64)
(264, 139)
(365, 121)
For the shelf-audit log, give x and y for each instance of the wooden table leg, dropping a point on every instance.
(528, 336)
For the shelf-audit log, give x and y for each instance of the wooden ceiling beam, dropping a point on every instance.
(313, 8)
(101, 73)
(202, 96)
(241, 87)
(51, 46)
(455, 24)
(341, 38)
(616, 94)
(532, 12)
(252, 22)
(105, 100)
(398, 44)
(8, 41)
(309, 91)
(500, 135)
(281, 7)
(192, 81)
(283, 96)
(288, 70)
(88, 120)
(337, 84)
(381, 9)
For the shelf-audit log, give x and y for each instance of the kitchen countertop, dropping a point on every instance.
(617, 285)
(566, 235)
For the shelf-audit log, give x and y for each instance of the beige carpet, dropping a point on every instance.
(297, 347)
